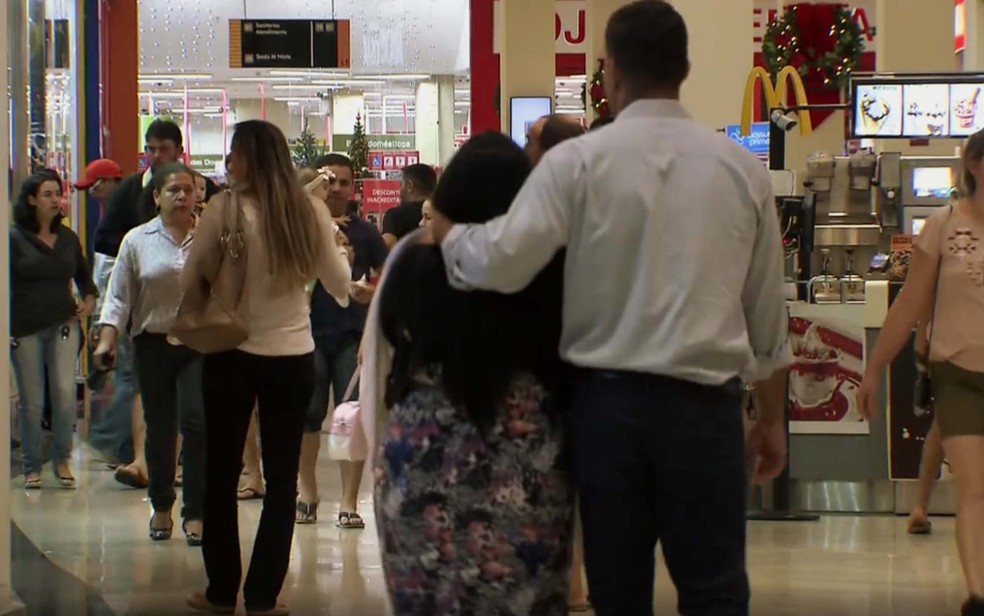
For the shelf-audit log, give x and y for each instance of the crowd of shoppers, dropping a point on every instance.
(505, 376)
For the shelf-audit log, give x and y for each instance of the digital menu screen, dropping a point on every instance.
(878, 111)
(932, 182)
(934, 106)
(927, 110)
(965, 103)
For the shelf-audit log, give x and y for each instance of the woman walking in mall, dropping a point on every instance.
(144, 296)
(289, 241)
(45, 258)
(474, 504)
(945, 287)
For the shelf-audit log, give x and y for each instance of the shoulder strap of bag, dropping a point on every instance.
(350, 390)
(936, 289)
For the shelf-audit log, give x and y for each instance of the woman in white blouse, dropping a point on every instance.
(290, 240)
(144, 295)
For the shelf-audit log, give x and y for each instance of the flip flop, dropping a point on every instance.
(350, 521)
(307, 513)
(579, 607)
(248, 494)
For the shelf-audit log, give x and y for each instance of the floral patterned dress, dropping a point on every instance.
(470, 523)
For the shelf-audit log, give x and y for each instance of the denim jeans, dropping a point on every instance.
(57, 348)
(114, 432)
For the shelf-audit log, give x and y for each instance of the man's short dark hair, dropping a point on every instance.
(423, 177)
(164, 130)
(334, 160)
(648, 41)
(601, 121)
(558, 129)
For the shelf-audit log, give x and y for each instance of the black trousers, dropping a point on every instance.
(171, 385)
(233, 383)
(661, 460)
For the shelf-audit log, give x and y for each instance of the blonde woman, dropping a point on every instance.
(290, 240)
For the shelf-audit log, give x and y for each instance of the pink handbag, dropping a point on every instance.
(347, 439)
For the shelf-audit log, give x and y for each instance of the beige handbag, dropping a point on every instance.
(210, 318)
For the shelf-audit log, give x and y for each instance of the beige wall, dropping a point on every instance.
(721, 51)
(526, 62)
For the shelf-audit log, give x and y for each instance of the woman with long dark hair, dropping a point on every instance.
(290, 240)
(474, 503)
(45, 258)
(945, 288)
(142, 302)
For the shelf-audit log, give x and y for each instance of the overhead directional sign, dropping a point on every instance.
(290, 43)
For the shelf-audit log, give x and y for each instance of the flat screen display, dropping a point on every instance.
(917, 106)
(932, 182)
(524, 111)
(917, 226)
(878, 111)
(966, 118)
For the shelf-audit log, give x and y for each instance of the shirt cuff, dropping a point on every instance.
(450, 249)
(113, 316)
(764, 366)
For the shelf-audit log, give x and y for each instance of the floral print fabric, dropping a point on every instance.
(473, 523)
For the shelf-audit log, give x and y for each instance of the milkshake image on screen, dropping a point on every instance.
(966, 109)
(874, 112)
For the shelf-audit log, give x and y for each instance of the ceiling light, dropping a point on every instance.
(297, 99)
(189, 76)
(401, 77)
(267, 79)
(462, 104)
(327, 74)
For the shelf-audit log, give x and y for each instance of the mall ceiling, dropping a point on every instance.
(389, 38)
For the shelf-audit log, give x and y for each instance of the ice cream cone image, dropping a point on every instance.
(874, 113)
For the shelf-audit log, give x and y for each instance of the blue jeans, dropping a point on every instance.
(114, 432)
(57, 348)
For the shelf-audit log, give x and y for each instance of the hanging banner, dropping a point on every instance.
(378, 197)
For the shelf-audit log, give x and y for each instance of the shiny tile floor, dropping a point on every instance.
(850, 566)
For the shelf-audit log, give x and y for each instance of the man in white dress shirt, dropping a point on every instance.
(673, 290)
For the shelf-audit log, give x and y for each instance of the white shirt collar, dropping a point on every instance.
(654, 108)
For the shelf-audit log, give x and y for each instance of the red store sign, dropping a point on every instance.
(378, 196)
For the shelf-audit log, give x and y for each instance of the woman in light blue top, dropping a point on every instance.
(145, 293)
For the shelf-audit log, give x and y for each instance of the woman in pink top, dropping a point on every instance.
(948, 265)
(290, 240)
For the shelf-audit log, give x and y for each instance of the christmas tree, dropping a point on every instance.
(306, 148)
(359, 149)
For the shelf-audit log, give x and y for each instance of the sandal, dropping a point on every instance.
(248, 494)
(307, 513)
(32, 484)
(198, 602)
(579, 607)
(920, 527)
(160, 534)
(194, 539)
(350, 521)
(131, 478)
(67, 482)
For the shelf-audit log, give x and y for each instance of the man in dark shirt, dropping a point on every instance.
(133, 202)
(419, 182)
(337, 332)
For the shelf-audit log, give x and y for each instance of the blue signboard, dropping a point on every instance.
(757, 143)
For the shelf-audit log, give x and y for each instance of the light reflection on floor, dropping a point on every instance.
(839, 566)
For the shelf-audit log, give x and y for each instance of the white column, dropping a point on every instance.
(973, 56)
(527, 61)
(445, 118)
(597, 13)
(426, 122)
(344, 109)
(8, 602)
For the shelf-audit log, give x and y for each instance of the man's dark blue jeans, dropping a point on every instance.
(113, 434)
(658, 460)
